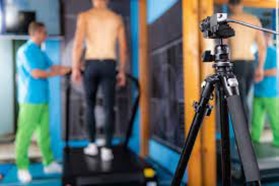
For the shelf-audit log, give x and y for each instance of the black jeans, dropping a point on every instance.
(244, 71)
(103, 73)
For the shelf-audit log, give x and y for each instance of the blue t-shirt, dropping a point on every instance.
(269, 86)
(32, 90)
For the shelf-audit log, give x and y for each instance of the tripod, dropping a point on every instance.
(229, 102)
(226, 85)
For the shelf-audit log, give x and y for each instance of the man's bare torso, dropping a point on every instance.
(244, 38)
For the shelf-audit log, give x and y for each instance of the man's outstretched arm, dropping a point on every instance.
(37, 73)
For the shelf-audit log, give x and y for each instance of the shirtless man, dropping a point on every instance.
(241, 54)
(99, 29)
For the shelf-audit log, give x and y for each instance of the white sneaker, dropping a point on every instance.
(24, 176)
(91, 150)
(106, 154)
(53, 168)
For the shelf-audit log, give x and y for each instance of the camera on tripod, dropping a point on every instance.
(216, 27)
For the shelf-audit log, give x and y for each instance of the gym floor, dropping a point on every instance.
(40, 179)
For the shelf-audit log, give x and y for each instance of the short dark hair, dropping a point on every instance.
(34, 27)
(234, 2)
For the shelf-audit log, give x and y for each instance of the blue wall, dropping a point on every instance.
(134, 143)
(157, 8)
(53, 49)
(47, 11)
(164, 156)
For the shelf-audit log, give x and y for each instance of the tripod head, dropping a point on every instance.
(217, 27)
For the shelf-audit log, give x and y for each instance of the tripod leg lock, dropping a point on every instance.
(230, 86)
(208, 110)
(197, 108)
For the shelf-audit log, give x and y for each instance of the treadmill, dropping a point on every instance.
(127, 168)
(268, 162)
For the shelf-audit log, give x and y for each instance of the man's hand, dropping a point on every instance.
(60, 70)
(259, 74)
(76, 76)
(121, 79)
(65, 70)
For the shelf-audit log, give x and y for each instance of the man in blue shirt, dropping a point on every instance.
(34, 68)
(266, 99)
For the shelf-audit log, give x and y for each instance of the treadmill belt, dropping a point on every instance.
(267, 155)
(266, 150)
(268, 160)
(89, 170)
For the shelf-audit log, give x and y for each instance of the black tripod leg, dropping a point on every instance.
(243, 140)
(202, 108)
(225, 139)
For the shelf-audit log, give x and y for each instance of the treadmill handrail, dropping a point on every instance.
(134, 111)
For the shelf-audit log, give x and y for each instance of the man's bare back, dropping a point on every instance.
(99, 29)
(245, 38)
